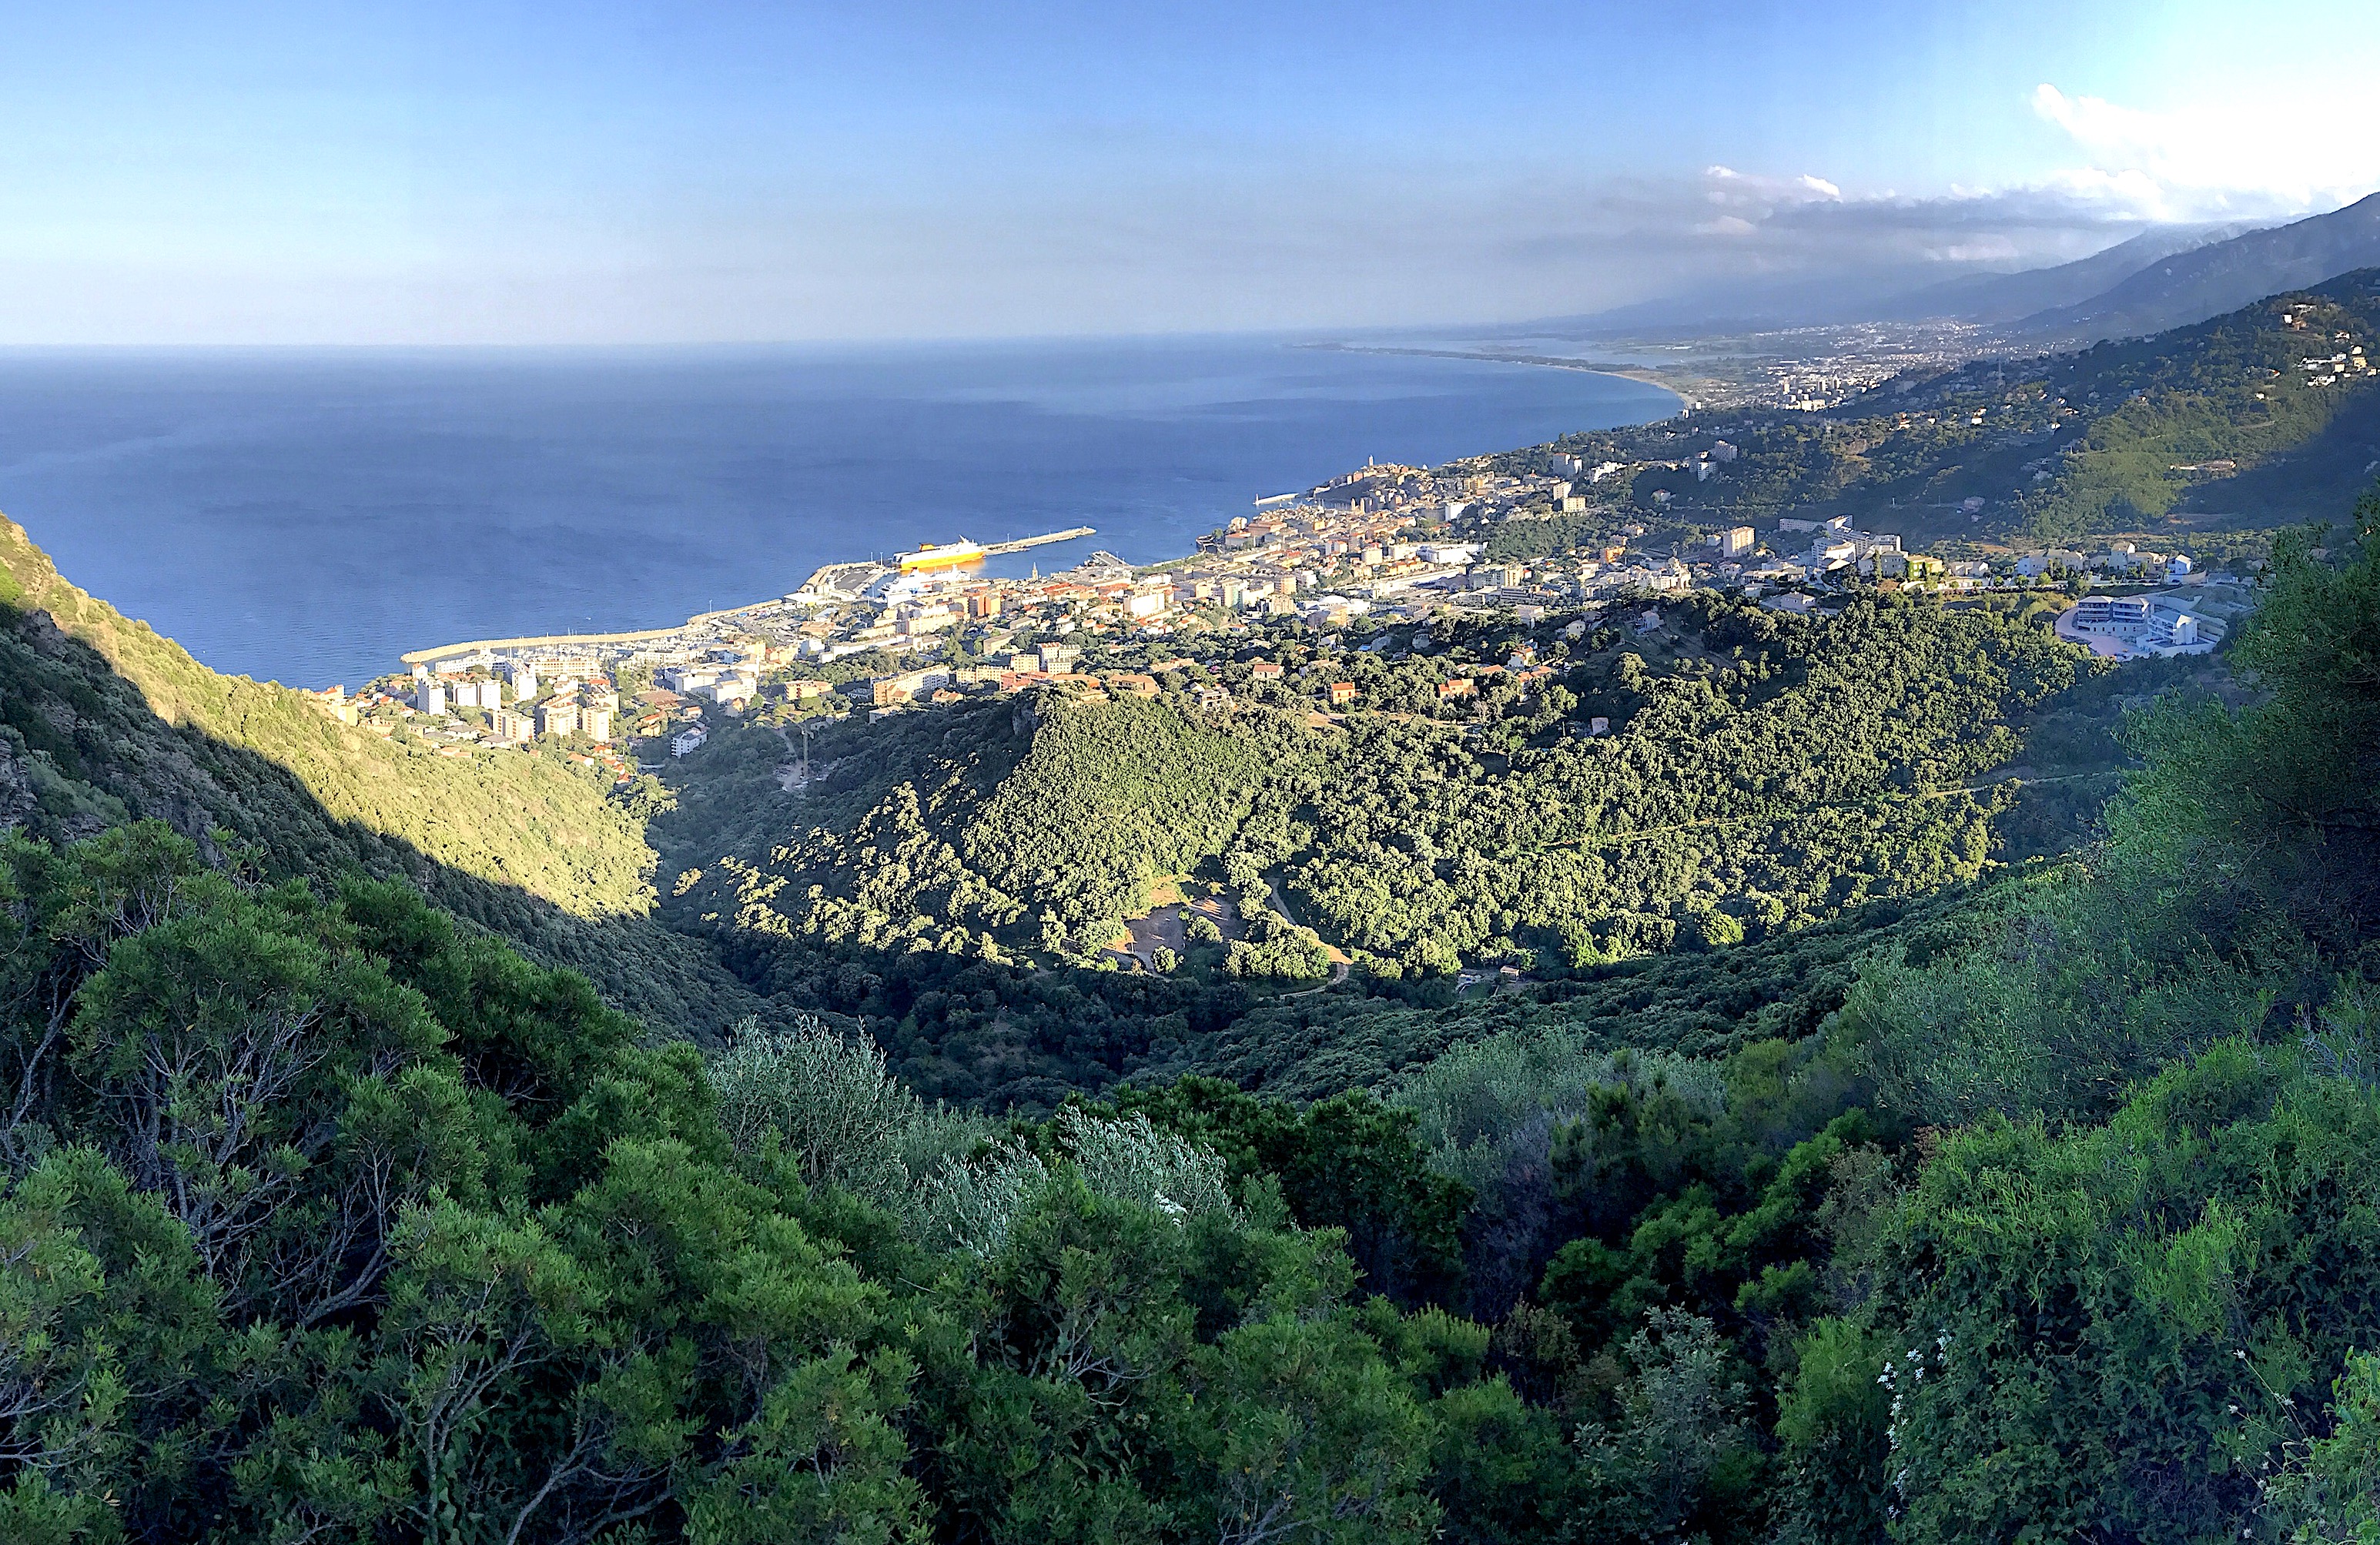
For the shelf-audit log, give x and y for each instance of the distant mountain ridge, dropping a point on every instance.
(2208, 280)
(2165, 277)
(1901, 289)
(2009, 297)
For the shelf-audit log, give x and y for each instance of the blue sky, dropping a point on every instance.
(604, 172)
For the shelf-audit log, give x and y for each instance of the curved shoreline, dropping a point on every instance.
(568, 640)
(294, 566)
(1640, 375)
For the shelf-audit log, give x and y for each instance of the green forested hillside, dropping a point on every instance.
(2116, 438)
(996, 822)
(102, 721)
(1107, 797)
(1782, 795)
(1801, 1113)
(1766, 773)
(2234, 389)
(2047, 1213)
(1779, 773)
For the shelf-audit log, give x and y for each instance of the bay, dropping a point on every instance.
(308, 515)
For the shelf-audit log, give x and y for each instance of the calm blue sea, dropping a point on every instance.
(308, 515)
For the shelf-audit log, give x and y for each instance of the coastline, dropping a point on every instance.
(699, 621)
(570, 640)
(704, 619)
(465, 498)
(1642, 375)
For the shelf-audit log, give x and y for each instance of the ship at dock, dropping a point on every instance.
(929, 558)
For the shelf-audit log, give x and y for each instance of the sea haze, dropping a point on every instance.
(308, 515)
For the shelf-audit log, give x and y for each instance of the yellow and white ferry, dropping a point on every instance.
(951, 555)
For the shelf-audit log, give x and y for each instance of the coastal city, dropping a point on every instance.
(1378, 546)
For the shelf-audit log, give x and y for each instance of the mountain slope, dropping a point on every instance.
(1912, 290)
(2006, 298)
(2211, 280)
(102, 720)
(2251, 420)
(2235, 389)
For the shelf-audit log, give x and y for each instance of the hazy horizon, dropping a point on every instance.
(631, 174)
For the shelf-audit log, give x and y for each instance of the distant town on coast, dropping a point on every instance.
(1522, 534)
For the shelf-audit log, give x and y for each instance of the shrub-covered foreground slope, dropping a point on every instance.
(102, 721)
(321, 1219)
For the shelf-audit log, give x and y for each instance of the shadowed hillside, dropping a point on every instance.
(104, 721)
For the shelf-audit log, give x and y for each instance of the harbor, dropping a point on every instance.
(1070, 534)
(829, 585)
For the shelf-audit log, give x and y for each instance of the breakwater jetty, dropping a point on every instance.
(992, 549)
(834, 582)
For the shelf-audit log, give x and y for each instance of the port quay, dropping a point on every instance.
(832, 583)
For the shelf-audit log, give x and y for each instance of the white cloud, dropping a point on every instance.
(1742, 190)
(1990, 249)
(2241, 155)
